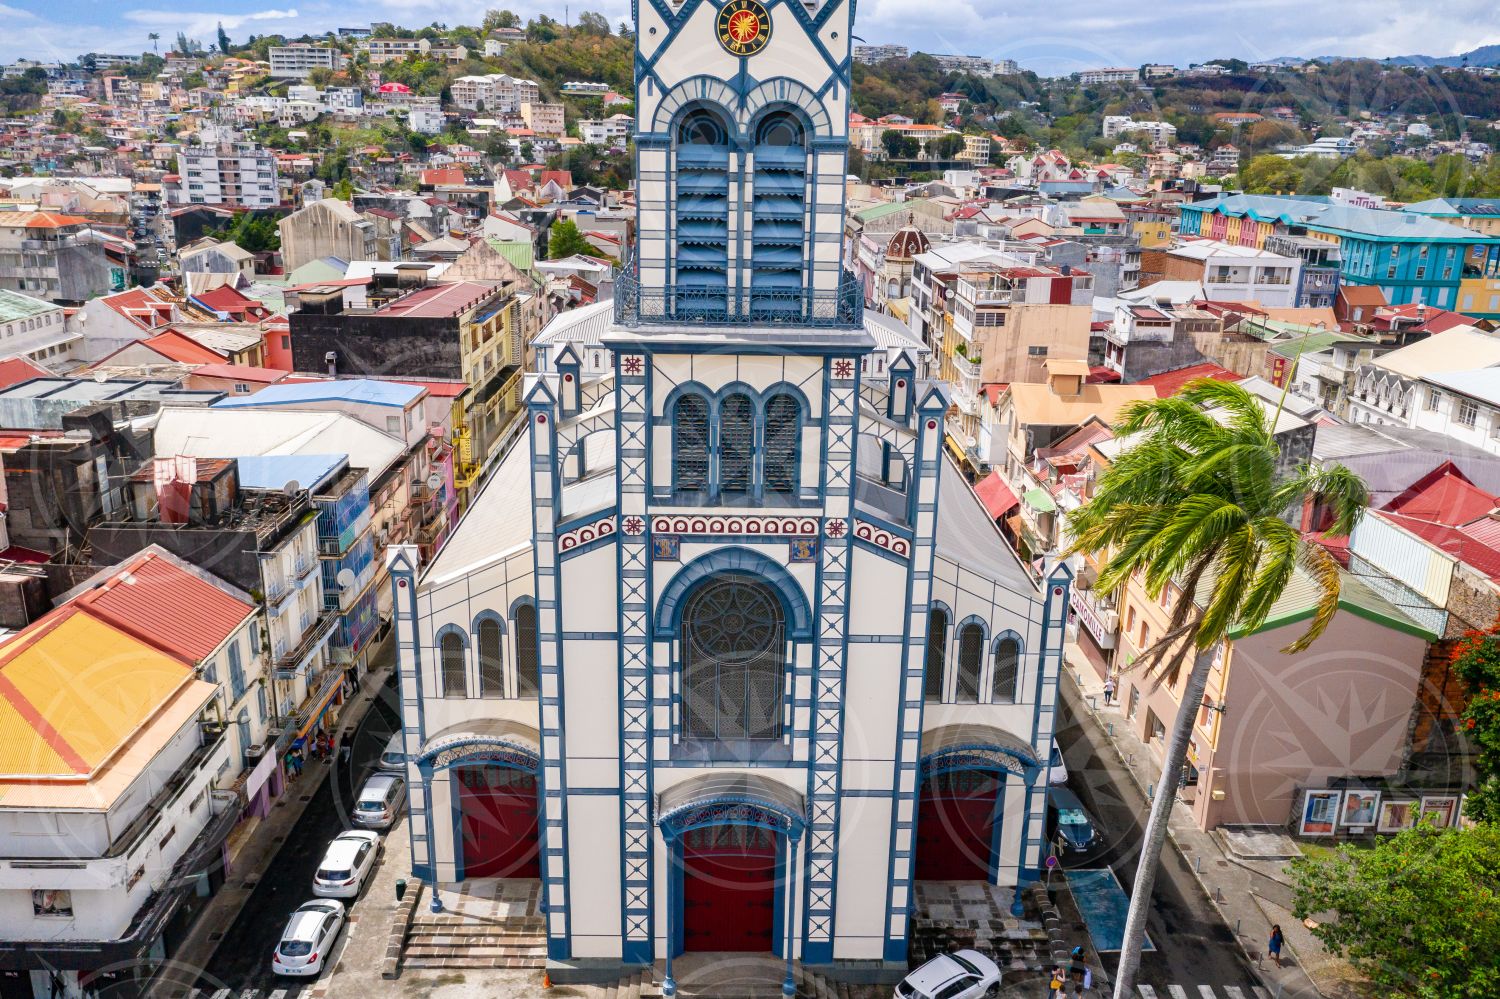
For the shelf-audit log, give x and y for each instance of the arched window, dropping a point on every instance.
(970, 652)
(734, 661)
(528, 659)
(777, 254)
(937, 652)
(690, 444)
(451, 658)
(1007, 666)
(491, 660)
(736, 443)
(701, 216)
(783, 428)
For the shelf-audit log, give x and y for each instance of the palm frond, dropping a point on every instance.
(1324, 570)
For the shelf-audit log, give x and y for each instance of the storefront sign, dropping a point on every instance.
(1093, 619)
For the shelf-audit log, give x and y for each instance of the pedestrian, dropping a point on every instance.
(297, 762)
(1274, 945)
(323, 746)
(345, 753)
(1055, 989)
(291, 764)
(1109, 691)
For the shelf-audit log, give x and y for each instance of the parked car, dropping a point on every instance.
(1067, 821)
(348, 861)
(393, 756)
(1057, 767)
(964, 974)
(308, 937)
(380, 801)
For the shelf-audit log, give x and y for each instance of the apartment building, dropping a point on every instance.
(34, 329)
(332, 228)
(228, 174)
(114, 821)
(1444, 383)
(57, 257)
(1227, 272)
(384, 50)
(543, 119)
(973, 65)
(495, 92)
(1161, 133)
(298, 60)
(1112, 74)
(871, 54)
(612, 131)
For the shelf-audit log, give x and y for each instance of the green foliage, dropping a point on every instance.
(24, 92)
(590, 23)
(898, 145)
(1476, 659)
(223, 39)
(500, 19)
(564, 240)
(252, 232)
(1401, 178)
(576, 56)
(1419, 913)
(1198, 501)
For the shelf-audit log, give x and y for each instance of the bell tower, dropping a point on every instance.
(741, 146)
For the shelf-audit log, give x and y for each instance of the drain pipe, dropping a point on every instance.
(668, 984)
(789, 984)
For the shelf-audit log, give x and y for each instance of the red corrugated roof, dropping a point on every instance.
(15, 370)
(164, 605)
(1443, 496)
(240, 372)
(175, 346)
(995, 495)
(1169, 382)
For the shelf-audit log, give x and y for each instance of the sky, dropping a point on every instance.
(1053, 38)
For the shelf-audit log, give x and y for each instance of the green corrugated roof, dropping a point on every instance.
(14, 305)
(520, 252)
(1309, 343)
(1040, 500)
(888, 208)
(1299, 602)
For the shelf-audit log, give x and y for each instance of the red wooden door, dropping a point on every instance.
(729, 889)
(498, 805)
(955, 820)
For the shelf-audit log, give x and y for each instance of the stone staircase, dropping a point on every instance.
(447, 940)
(737, 978)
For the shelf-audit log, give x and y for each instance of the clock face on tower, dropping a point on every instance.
(744, 27)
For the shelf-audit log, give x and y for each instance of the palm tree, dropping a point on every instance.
(155, 37)
(1198, 499)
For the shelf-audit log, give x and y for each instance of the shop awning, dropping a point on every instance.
(1040, 500)
(996, 495)
(316, 711)
(956, 449)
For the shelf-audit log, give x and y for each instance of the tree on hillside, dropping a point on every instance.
(590, 23)
(154, 37)
(542, 29)
(564, 240)
(223, 39)
(1197, 502)
(494, 19)
(898, 145)
(1418, 913)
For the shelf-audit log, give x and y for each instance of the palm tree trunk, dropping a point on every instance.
(1156, 825)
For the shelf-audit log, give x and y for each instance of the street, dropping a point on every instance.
(1192, 942)
(243, 958)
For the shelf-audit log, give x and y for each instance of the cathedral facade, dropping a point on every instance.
(726, 653)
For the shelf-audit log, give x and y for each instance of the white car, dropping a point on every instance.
(393, 757)
(964, 974)
(1057, 769)
(308, 937)
(349, 860)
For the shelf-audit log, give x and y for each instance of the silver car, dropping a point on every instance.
(393, 757)
(380, 801)
(964, 974)
(349, 860)
(308, 937)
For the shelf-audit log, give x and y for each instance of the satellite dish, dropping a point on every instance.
(434, 481)
(292, 488)
(346, 579)
(101, 377)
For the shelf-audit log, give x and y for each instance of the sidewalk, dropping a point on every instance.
(255, 850)
(1250, 895)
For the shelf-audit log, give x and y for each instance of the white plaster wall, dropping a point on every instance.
(591, 700)
(864, 853)
(594, 871)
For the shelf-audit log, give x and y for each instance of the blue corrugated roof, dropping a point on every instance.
(365, 390)
(1322, 215)
(272, 471)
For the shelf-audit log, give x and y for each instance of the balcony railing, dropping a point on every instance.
(635, 305)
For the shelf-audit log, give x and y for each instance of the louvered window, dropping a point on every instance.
(528, 662)
(491, 662)
(690, 444)
(1007, 665)
(451, 653)
(937, 652)
(701, 217)
(736, 444)
(778, 238)
(783, 424)
(970, 652)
